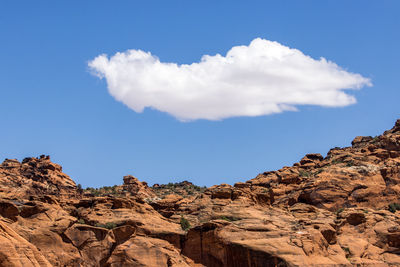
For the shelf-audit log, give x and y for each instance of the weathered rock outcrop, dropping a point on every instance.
(16, 251)
(338, 210)
(34, 177)
(132, 186)
(363, 175)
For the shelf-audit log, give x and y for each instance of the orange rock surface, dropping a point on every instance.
(338, 210)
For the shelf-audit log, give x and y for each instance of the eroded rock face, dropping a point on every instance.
(16, 251)
(147, 251)
(363, 175)
(134, 187)
(34, 177)
(88, 231)
(330, 211)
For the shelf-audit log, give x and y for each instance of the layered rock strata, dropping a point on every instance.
(338, 210)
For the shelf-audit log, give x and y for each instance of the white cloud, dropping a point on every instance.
(260, 79)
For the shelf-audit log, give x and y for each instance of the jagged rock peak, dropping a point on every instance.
(396, 127)
(34, 177)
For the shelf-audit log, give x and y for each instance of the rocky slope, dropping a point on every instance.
(338, 210)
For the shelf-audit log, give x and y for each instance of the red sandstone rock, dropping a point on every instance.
(16, 251)
(34, 177)
(330, 211)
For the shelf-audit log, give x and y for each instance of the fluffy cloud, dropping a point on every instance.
(262, 78)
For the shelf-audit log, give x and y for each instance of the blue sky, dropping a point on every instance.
(51, 104)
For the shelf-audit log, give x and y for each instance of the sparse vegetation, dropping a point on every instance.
(109, 225)
(305, 174)
(375, 139)
(336, 161)
(79, 187)
(185, 224)
(183, 189)
(81, 221)
(350, 163)
(103, 191)
(393, 207)
(264, 191)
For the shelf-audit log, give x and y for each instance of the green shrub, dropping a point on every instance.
(304, 173)
(185, 224)
(182, 188)
(375, 139)
(109, 225)
(350, 163)
(264, 191)
(393, 207)
(79, 187)
(96, 193)
(103, 191)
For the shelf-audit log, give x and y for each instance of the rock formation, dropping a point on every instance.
(338, 210)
